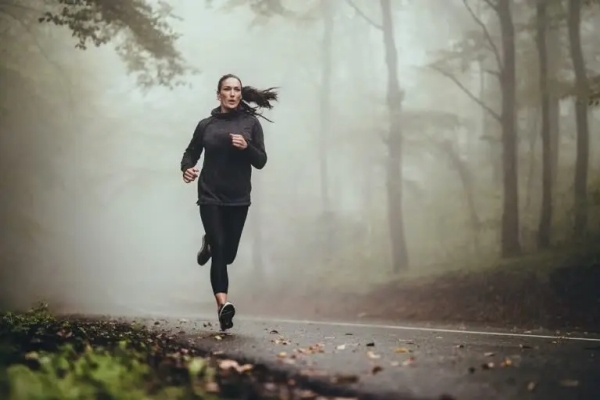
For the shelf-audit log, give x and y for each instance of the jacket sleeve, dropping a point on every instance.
(256, 147)
(192, 153)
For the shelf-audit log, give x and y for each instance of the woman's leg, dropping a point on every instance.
(234, 221)
(214, 226)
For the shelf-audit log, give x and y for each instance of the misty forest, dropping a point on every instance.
(447, 145)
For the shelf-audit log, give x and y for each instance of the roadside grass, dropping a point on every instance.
(43, 357)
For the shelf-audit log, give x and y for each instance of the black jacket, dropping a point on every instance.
(226, 172)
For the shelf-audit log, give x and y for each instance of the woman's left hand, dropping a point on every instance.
(238, 141)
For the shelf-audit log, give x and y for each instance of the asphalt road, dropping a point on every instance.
(413, 362)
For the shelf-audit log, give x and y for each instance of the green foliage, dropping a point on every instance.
(145, 39)
(42, 357)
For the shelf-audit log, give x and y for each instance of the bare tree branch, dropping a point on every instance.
(492, 4)
(486, 32)
(363, 15)
(492, 72)
(466, 91)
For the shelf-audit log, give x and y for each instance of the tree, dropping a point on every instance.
(546, 209)
(140, 31)
(581, 117)
(393, 140)
(504, 57)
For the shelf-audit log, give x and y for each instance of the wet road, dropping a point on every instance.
(414, 362)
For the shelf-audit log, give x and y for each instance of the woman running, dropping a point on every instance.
(232, 141)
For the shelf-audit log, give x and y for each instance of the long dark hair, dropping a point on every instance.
(250, 94)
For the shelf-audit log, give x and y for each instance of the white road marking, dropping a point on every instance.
(192, 317)
(420, 329)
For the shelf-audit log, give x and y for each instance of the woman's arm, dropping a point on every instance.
(256, 146)
(192, 153)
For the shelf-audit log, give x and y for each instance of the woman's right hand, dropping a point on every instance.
(190, 174)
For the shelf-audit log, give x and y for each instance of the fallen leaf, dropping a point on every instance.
(341, 347)
(274, 332)
(507, 362)
(409, 361)
(282, 354)
(489, 354)
(212, 387)
(487, 366)
(525, 346)
(218, 337)
(376, 369)
(372, 355)
(531, 386)
(401, 350)
(395, 363)
(370, 344)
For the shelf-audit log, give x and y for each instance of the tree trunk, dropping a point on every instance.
(394, 177)
(510, 243)
(554, 58)
(325, 124)
(581, 118)
(466, 178)
(543, 237)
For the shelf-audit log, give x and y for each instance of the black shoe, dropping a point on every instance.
(226, 314)
(204, 254)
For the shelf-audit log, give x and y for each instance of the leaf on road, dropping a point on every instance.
(341, 347)
(281, 341)
(282, 354)
(274, 332)
(531, 386)
(370, 344)
(318, 348)
(487, 366)
(489, 354)
(372, 355)
(409, 361)
(376, 369)
(401, 350)
(218, 337)
(232, 364)
(525, 346)
(460, 346)
(507, 362)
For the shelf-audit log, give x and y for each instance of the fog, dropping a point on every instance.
(95, 215)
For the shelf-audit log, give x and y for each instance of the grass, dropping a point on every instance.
(42, 357)
(47, 358)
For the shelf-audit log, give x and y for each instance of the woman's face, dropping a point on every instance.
(230, 93)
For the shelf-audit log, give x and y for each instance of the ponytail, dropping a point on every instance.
(262, 98)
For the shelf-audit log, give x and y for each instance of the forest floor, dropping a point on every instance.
(552, 290)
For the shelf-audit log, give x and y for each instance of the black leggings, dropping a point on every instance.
(223, 226)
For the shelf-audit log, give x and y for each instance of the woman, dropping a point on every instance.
(232, 141)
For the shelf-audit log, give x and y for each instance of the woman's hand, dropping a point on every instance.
(238, 141)
(190, 174)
